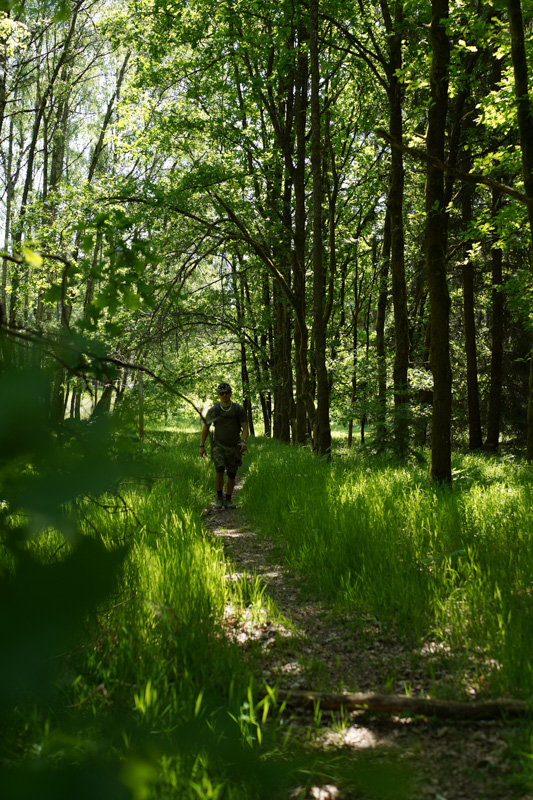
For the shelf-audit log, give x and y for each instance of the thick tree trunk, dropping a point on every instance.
(436, 249)
(321, 422)
(104, 403)
(304, 401)
(475, 439)
(397, 258)
(525, 129)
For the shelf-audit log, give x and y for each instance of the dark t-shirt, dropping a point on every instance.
(227, 424)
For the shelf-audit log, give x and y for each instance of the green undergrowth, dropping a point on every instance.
(144, 696)
(449, 570)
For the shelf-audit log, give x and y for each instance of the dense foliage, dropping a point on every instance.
(323, 203)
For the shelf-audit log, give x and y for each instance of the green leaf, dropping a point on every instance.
(87, 243)
(32, 258)
(132, 301)
(53, 294)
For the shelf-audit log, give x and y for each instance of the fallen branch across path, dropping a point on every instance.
(416, 706)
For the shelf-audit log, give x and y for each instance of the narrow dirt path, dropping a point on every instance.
(298, 643)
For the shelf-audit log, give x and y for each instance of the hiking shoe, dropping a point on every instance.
(219, 503)
(228, 502)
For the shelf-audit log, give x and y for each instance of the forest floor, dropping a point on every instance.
(296, 643)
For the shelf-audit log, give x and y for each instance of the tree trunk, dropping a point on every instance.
(321, 422)
(281, 367)
(496, 353)
(282, 344)
(397, 257)
(525, 129)
(9, 192)
(32, 150)
(475, 439)
(140, 386)
(301, 334)
(496, 356)
(103, 405)
(381, 420)
(436, 249)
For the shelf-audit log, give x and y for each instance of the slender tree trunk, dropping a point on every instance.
(282, 340)
(107, 119)
(262, 366)
(381, 420)
(525, 129)
(496, 358)
(10, 191)
(281, 367)
(496, 353)
(238, 293)
(140, 386)
(355, 345)
(436, 249)
(3, 79)
(261, 351)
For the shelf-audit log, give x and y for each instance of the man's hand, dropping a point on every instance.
(202, 451)
(242, 445)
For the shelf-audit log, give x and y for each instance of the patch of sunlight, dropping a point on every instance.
(328, 792)
(434, 648)
(359, 737)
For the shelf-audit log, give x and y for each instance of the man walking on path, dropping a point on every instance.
(228, 419)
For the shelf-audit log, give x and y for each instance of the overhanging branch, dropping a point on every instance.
(466, 177)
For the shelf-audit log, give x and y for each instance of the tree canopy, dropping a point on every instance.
(327, 203)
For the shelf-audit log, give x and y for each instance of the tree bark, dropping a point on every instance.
(321, 422)
(383, 296)
(496, 355)
(524, 113)
(301, 334)
(395, 209)
(475, 439)
(436, 249)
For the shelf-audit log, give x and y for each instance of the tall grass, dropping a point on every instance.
(154, 701)
(378, 539)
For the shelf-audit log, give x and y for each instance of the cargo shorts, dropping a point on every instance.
(227, 456)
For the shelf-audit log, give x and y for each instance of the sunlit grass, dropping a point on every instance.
(377, 539)
(154, 684)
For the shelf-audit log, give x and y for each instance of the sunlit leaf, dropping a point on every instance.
(32, 258)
